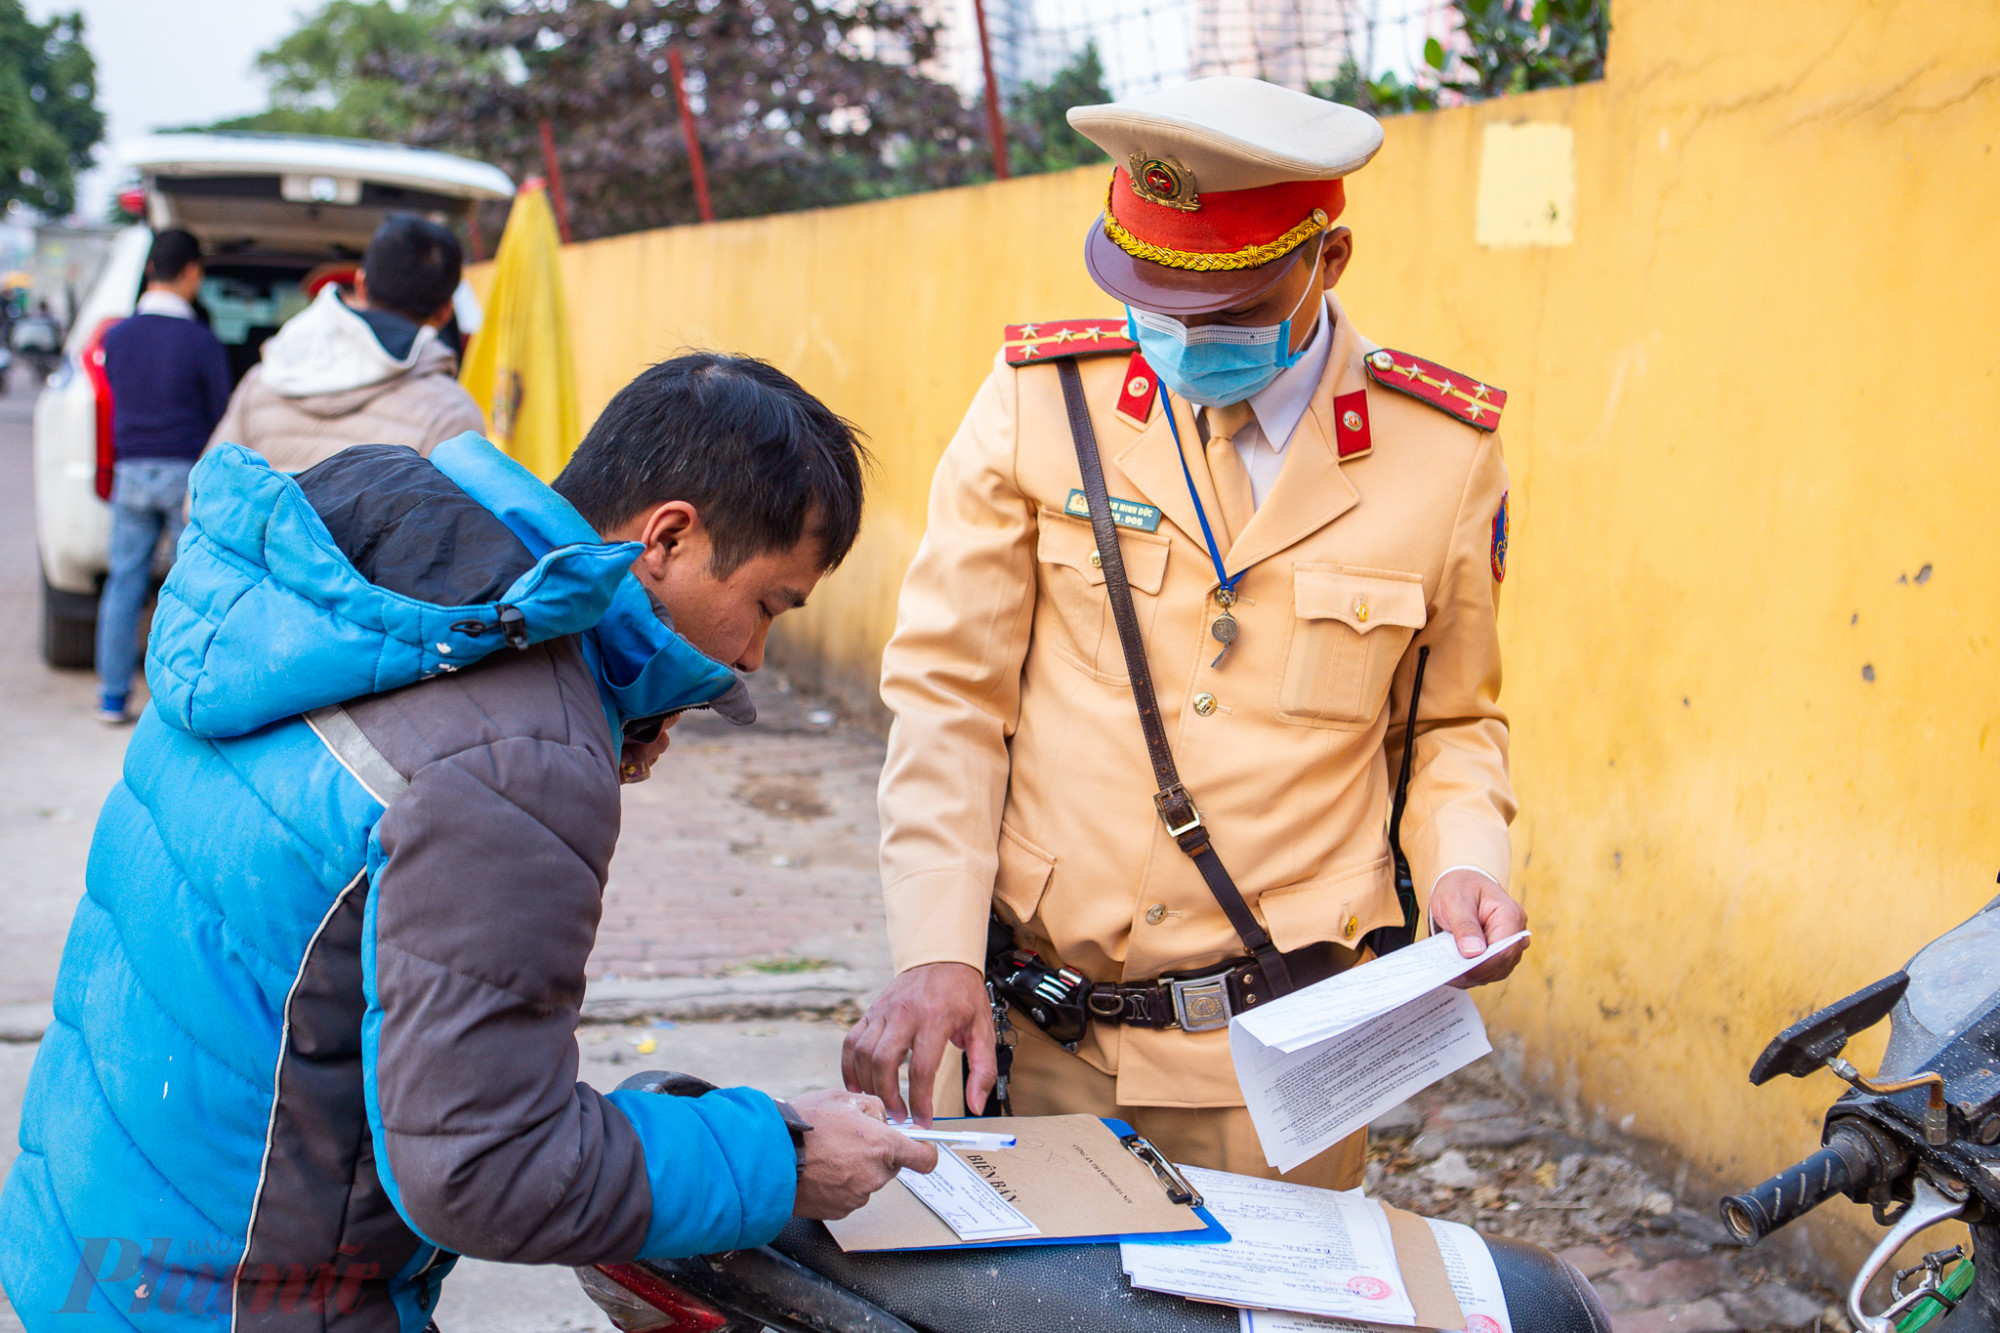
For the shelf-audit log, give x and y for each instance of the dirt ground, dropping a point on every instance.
(1475, 1151)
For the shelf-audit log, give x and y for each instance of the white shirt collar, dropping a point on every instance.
(171, 304)
(1279, 404)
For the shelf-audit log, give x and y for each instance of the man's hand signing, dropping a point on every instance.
(913, 1019)
(1471, 906)
(849, 1154)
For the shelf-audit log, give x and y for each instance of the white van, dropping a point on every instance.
(275, 214)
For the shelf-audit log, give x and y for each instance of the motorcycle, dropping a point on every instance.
(1919, 1142)
(804, 1283)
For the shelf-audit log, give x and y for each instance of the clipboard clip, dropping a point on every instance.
(1176, 1185)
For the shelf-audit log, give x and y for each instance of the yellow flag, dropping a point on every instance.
(519, 369)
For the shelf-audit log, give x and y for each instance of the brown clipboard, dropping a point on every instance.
(1074, 1176)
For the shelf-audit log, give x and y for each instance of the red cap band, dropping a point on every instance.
(1227, 228)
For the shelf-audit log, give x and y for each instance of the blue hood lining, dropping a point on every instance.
(265, 617)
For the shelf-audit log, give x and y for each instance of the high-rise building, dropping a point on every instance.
(1292, 42)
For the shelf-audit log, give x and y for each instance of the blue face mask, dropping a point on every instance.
(1214, 364)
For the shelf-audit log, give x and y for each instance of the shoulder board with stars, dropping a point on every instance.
(1029, 343)
(1462, 396)
(1052, 340)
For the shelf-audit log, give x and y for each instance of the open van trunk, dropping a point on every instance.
(275, 213)
(249, 195)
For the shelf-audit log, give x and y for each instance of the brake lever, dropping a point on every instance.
(1928, 1206)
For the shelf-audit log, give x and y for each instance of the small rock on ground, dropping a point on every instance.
(1452, 1171)
(1704, 1316)
(1772, 1306)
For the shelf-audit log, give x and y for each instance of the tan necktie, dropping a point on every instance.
(1226, 470)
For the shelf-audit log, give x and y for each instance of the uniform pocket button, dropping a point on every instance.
(1353, 924)
(1204, 703)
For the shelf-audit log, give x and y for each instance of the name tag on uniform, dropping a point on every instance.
(1125, 513)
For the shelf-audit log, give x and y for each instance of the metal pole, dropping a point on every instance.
(555, 179)
(996, 124)
(695, 164)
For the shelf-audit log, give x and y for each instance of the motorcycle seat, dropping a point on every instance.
(1083, 1289)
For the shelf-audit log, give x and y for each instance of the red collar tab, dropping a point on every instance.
(1350, 425)
(1029, 343)
(1138, 393)
(1462, 396)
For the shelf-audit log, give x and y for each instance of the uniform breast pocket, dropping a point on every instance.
(1074, 613)
(1350, 628)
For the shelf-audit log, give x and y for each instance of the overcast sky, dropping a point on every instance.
(169, 62)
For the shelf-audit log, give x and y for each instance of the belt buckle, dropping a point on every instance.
(1201, 1004)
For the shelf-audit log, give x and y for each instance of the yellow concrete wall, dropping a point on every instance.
(1753, 379)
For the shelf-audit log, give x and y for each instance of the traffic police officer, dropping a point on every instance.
(1299, 512)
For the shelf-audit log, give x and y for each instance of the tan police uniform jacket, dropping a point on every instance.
(1017, 773)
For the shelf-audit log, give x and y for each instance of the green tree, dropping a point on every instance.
(333, 74)
(1385, 96)
(1515, 45)
(1509, 46)
(49, 120)
(797, 103)
(1039, 137)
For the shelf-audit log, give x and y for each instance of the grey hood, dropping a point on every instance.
(328, 351)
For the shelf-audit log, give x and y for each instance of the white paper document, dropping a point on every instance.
(1474, 1280)
(966, 1203)
(1322, 1062)
(1291, 1247)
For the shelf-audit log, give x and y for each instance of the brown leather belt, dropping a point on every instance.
(1206, 998)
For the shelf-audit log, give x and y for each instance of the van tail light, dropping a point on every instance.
(640, 1299)
(92, 357)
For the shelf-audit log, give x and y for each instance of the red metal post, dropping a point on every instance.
(695, 163)
(996, 124)
(550, 165)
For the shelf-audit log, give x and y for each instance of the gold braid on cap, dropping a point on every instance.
(1250, 256)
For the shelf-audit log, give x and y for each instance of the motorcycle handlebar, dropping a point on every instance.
(1848, 1164)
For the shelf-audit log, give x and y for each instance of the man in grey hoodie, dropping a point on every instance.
(370, 370)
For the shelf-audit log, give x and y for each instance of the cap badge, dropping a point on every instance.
(1163, 180)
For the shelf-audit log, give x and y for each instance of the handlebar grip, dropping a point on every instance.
(1847, 1165)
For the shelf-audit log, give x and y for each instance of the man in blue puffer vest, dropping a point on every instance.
(315, 1020)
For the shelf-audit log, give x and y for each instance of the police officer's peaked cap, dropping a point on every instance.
(1216, 187)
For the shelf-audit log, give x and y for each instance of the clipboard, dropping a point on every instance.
(1082, 1180)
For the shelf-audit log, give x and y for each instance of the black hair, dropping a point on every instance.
(412, 265)
(763, 462)
(173, 250)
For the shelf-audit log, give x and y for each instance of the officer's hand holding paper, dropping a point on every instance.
(1322, 1062)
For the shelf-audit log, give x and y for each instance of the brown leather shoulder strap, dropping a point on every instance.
(1176, 807)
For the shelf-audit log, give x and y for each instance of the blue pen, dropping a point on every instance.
(953, 1137)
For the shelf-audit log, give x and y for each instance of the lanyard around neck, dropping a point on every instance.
(1225, 583)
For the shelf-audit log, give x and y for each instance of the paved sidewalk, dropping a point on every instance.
(750, 848)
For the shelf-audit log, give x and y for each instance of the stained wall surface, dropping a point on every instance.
(1743, 295)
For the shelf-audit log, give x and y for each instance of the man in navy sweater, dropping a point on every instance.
(169, 386)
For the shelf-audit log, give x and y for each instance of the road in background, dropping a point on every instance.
(56, 761)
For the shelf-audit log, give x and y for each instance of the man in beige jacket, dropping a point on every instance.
(1356, 499)
(367, 371)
